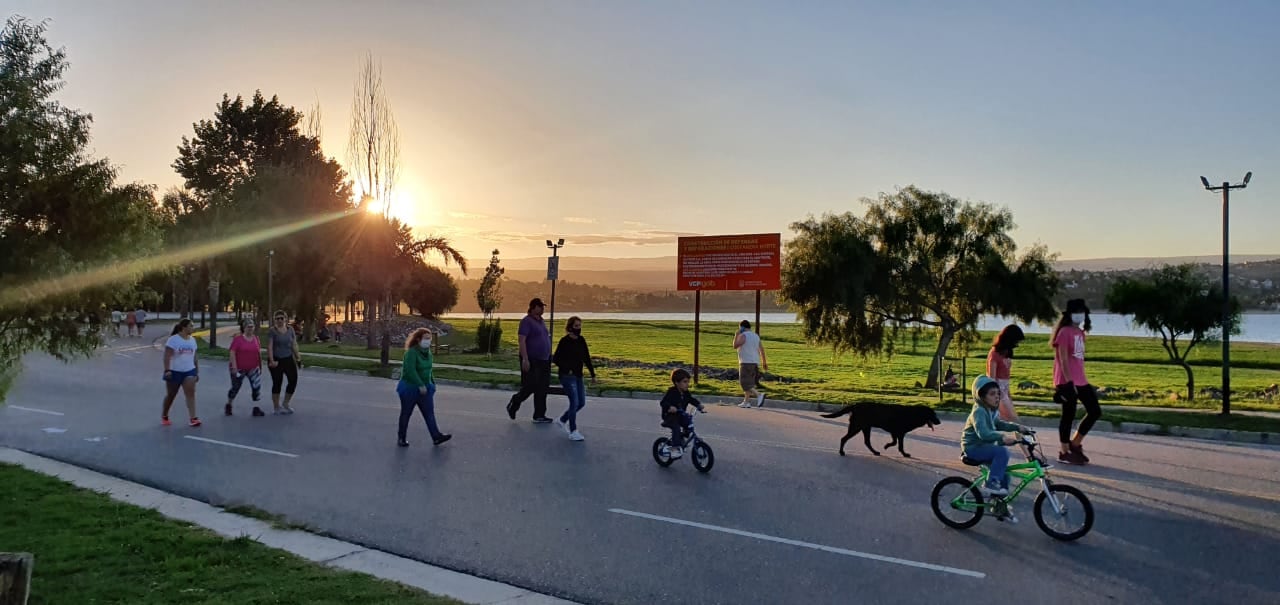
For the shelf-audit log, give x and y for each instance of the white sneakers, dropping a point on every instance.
(576, 436)
(759, 399)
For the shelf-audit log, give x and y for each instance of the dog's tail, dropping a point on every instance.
(848, 409)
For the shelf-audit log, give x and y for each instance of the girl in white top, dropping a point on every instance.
(181, 370)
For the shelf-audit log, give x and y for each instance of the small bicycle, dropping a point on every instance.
(958, 502)
(699, 452)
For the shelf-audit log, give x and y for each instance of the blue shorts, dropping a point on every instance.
(180, 377)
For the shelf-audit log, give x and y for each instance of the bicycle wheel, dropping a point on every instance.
(956, 504)
(662, 459)
(1076, 518)
(703, 457)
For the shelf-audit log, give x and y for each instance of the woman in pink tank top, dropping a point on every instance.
(1000, 367)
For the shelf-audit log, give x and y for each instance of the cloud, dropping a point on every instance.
(635, 238)
(582, 220)
(634, 224)
(470, 216)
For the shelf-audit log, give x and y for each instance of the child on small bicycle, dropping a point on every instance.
(674, 405)
(982, 440)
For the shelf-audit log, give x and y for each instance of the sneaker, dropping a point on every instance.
(562, 424)
(1078, 451)
(744, 405)
(576, 436)
(511, 408)
(442, 438)
(994, 489)
(194, 422)
(277, 412)
(164, 421)
(542, 420)
(760, 400)
(257, 411)
(402, 443)
(1067, 458)
(676, 453)
(286, 410)
(226, 410)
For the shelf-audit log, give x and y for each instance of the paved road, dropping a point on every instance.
(1179, 521)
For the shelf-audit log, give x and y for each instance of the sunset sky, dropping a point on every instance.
(618, 125)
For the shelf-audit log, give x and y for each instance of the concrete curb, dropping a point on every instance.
(318, 549)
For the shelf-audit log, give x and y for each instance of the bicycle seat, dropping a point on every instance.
(970, 461)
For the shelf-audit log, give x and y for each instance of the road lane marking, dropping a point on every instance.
(243, 447)
(53, 430)
(821, 547)
(38, 411)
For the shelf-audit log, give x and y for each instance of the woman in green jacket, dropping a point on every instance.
(417, 388)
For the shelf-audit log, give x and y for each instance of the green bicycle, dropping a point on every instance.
(1061, 511)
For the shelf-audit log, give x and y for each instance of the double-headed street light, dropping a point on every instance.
(1226, 188)
(553, 273)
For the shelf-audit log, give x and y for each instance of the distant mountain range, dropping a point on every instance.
(659, 273)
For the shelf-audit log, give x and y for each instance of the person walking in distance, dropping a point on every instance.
(535, 364)
(181, 371)
(570, 357)
(131, 322)
(140, 317)
(1000, 368)
(417, 387)
(283, 361)
(751, 359)
(1071, 386)
(245, 362)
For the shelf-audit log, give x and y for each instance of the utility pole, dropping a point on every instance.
(1226, 188)
(553, 273)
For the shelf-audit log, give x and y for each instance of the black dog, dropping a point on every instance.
(897, 420)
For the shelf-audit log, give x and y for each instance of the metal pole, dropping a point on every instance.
(551, 331)
(271, 308)
(757, 312)
(1226, 303)
(697, 328)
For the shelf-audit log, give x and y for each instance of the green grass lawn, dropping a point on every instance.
(91, 549)
(814, 373)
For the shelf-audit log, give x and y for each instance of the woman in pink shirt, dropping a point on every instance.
(1000, 367)
(246, 361)
(1070, 383)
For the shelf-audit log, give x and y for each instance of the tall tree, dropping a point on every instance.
(489, 294)
(1175, 302)
(373, 147)
(227, 153)
(63, 218)
(430, 291)
(916, 258)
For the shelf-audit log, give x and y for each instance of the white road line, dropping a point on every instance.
(49, 412)
(243, 447)
(830, 549)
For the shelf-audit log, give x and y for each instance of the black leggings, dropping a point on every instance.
(1067, 397)
(285, 367)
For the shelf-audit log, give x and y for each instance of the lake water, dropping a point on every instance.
(1257, 327)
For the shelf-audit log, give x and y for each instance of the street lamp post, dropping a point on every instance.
(553, 273)
(271, 254)
(1226, 188)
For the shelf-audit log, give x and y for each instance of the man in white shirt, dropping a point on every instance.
(751, 359)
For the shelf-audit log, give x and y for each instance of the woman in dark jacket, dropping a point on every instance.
(570, 357)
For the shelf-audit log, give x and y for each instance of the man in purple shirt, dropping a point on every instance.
(535, 364)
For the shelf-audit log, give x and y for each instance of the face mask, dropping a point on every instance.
(1077, 318)
(575, 331)
(425, 343)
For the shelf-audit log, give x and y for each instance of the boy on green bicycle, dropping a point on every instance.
(983, 441)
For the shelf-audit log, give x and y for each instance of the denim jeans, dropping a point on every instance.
(995, 456)
(576, 391)
(410, 398)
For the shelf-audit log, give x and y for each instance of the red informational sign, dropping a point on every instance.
(730, 262)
